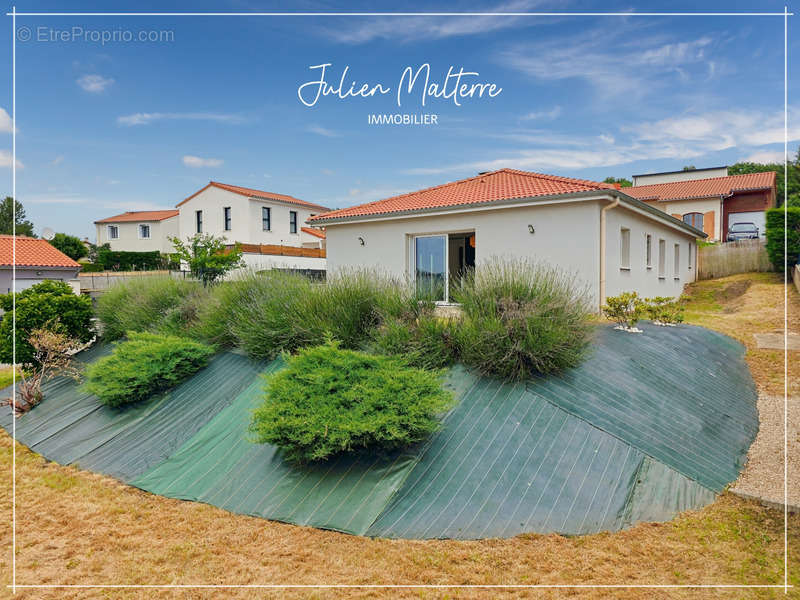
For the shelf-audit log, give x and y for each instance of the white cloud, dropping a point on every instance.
(6, 158)
(544, 114)
(6, 124)
(147, 118)
(94, 83)
(356, 196)
(327, 171)
(57, 160)
(359, 31)
(197, 162)
(612, 61)
(323, 131)
(678, 138)
(765, 157)
(62, 198)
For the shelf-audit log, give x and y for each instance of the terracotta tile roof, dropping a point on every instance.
(703, 188)
(498, 185)
(32, 252)
(315, 232)
(141, 215)
(253, 193)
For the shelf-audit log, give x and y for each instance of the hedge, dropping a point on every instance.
(115, 260)
(775, 236)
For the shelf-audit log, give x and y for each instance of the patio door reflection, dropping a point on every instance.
(430, 262)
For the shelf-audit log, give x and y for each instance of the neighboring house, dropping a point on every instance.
(247, 215)
(610, 241)
(318, 236)
(139, 231)
(711, 203)
(36, 261)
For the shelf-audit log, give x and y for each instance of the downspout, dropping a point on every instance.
(603, 261)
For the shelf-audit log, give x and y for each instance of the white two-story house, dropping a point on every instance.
(139, 231)
(247, 216)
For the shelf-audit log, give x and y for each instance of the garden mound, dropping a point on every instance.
(649, 425)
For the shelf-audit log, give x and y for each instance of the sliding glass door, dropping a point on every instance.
(430, 267)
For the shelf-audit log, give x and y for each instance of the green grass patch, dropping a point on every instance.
(330, 401)
(143, 365)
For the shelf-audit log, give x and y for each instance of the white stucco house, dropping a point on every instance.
(36, 261)
(139, 231)
(608, 240)
(271, 228)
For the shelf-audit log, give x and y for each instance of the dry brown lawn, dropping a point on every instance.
(76, 527)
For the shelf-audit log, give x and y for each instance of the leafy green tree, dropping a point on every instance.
(790, 184)
(70, 245)
(689, 168)
(12, 211)
(620, 180)
(50, 304)
(208, 257)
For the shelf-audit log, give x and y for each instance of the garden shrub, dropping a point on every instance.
(144, 364)
(428, 342)
(91, 268)
(625, 310)
(281, 311)
(119, 260)
(329, 401)
(49, 303)
(143, 304)
(775, 236)
(521, 317)
(665, 310)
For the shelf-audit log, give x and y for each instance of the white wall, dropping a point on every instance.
(26, 277)
(129, 240)
(638, 277)
(246, 223)
(261, 262)
(566, 235)
(679, 176)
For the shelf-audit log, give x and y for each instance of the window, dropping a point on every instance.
(624, 248)
(694, 219)
(226, 217)
(689, 254)
(113, 232)
(144, 232)
(292, 221)
(266, 218)
(198, 219)
(662, 258)
(430, 267)
(676, 269)
(649, 250)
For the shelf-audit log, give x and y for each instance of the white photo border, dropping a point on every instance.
(785, 14)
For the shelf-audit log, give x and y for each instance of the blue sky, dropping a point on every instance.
(108, 127)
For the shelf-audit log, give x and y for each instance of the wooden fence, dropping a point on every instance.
(277, 250)
(720, 260)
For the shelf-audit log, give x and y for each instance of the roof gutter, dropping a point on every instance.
(603, 261)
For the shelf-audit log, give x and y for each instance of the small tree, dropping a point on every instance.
(625, 309)
(777, 234)
(12, 212)
(70, 245)
(52, 351)
(665, 310)
(208, 257)
(49, 303)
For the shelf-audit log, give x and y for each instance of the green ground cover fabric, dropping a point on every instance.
(73, 427)
(650, 425)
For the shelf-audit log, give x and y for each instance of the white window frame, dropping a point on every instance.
(296, 224)
(648, 250)
(689, 254)
(198, 221)
(149, 231)
(624, 248)
(662, 258)
(676, 270)
(227, 218)
(109, 229)
(269, 218)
